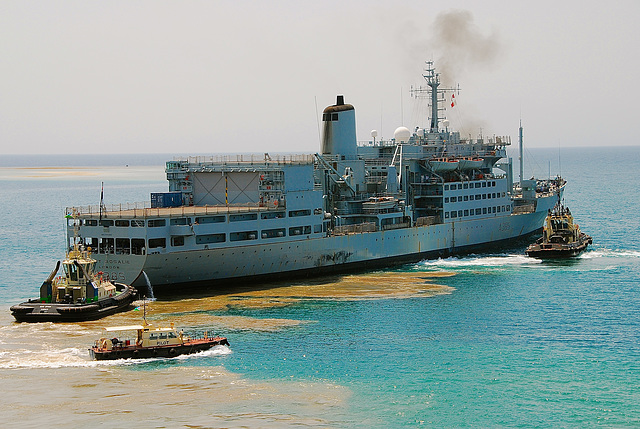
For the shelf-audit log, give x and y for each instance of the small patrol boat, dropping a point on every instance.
(150, 342)
(77, 295)
(561, 237)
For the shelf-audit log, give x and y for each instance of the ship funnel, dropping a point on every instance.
(339, 130)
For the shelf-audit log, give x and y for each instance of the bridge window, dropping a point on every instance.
(106, 245)
(297, 213)
(137, 246)
(122, 246)
(211, 219)
(272, 233)
(243, 235)
(155, 243)
(272, 215)
(299, 230)
(179, 221)
(210, 238)
(241, 217)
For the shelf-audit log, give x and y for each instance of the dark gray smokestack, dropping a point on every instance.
(340, 101)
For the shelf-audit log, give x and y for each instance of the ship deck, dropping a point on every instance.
(134, 211)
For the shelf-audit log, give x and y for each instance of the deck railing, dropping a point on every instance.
(144, 209)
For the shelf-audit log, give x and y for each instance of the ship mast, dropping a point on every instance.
(433, 81)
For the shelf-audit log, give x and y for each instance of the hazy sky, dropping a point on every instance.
(194, 77)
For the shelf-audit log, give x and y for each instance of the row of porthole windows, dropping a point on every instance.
(137, 246)
(476, 212)
(474, 197)
(455, 186)
(119, 246)
(155, 223)
(117, 222)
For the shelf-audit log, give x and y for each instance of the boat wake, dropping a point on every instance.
(212, 352)
(23, 346)
(48, 358)
(478, 262)
(79, 358)
(610, 253)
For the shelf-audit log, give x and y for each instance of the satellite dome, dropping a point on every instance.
(445, 123)
(374, 133)
(420, 132)
(402, 134)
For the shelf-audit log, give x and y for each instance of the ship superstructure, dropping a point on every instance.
(424, 193)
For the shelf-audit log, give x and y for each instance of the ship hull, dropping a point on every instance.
(176, 271)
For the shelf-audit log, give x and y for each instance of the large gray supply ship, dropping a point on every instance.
(424, 193)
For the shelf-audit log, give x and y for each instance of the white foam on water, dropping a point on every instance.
(76, 357)
(610, 253)
(212, 352)
(479, 261)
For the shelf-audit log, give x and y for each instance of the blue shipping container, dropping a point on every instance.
(166, 199)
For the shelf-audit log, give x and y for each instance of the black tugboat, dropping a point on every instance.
(77, 295)
(561, 237)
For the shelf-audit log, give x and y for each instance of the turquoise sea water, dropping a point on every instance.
(516, 343)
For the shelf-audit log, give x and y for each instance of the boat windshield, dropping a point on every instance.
(71, 271)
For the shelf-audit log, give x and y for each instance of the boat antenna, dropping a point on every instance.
(520, 144)
(102, 208)
(401, 107)
(559, 164)
(318, 121)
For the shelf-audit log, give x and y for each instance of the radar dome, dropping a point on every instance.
(402, 134)
(420, 132)
(374, 133)
(445, 123)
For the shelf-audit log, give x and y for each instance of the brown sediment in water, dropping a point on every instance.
(360, 286)
(197, 311)
(176, 396)
(43, 172)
